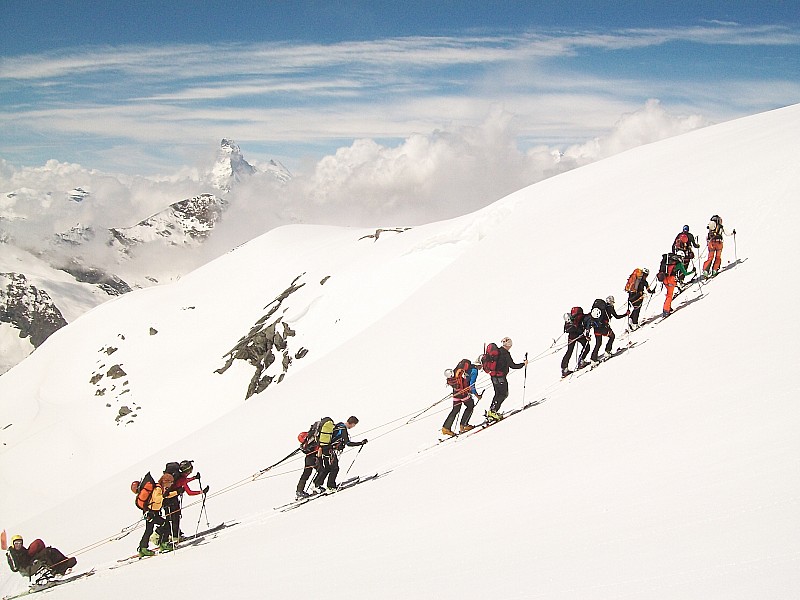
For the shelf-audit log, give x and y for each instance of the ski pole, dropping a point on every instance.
(287, 457)
(202, 508)
(525, 379)
(354, 460)
(735, 254)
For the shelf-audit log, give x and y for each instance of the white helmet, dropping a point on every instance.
(567, 318)
(596, 312)
(610, 300)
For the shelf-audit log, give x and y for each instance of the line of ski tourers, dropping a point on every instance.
(324, 441)
(675, 271)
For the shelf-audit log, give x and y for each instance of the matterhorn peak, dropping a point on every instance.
(230, 166)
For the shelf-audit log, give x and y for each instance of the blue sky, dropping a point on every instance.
(145, 87)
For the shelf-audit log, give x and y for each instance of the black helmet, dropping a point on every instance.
(186, 466)
(686, 229)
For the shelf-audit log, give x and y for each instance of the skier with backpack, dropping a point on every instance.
(462, 380)
(309, 446)
(667, 274)
(636, 287)
(685, 241)
(37, 558)
(331, 445)
(575, 328)
(150, 496)
(715, 243)
(172, 501)
(600, 321)
(496, 362)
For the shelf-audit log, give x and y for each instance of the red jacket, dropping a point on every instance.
(182, 485)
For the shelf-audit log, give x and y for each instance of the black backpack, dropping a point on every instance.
(666, 259)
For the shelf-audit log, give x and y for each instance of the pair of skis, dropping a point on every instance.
(189, 540)
(40, 587)
(345, 485)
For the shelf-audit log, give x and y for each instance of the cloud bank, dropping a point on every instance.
(427, 177)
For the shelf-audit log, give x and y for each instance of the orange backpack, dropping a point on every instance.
(633, 280)
(143, 490)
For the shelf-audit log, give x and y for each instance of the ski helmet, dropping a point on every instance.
(645, 271)
(596, 312)
(186, 466)
(448, 373)
(15, 538)
(610, 300)
(685, 229)
(301, 437)
(567, 318)
(506, 340)
(135, 487)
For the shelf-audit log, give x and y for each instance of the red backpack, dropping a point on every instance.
(459, 381)
(489, 359)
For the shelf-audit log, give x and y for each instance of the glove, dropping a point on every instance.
(197, 475)
(734, 232)
(364, 442)
(627, 312)
(205, 489)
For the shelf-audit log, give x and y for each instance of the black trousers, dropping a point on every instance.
(329, 469)
(310, 464)
(598, 341)
(571, 346)
(152, 518)
(172, 517)
(500, 384)
(636, 301)
(469, 406)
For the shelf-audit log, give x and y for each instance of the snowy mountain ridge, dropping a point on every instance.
(115, 259)
(669, 472)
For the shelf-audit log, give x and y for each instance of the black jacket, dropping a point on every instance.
(505, 362)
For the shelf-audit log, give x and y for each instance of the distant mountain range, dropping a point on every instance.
(32, 308)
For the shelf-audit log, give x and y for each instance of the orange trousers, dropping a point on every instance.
(714, 255)
(669, 283)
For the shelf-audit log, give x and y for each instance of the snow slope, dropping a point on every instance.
(670, 472)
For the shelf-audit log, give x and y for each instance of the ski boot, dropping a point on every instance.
(146, 552)
(565, 373)
(331, 490)
(493, 416)
(165, 547)
(582, 364)
(464, 428)
(448, 432)
(301, 494)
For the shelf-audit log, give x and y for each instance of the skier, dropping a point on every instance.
(636, 297)
(152, 506)
(463, 383)
(667, 274)
(602, 310)
(29, 561)
(172, 501)
(685, 241)
(181, 484)
(329, 454)
(681, 268)
(309, 447)
(500, 377)
(715, 243)
(575, 328)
